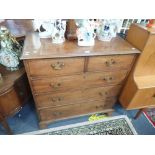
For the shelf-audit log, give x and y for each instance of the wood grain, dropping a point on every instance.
(72, 110)
(49, 67)
(106, 63)
(140, 87)
(137, 36)
(14, 91)
(35, 48)
(75, 97)
(76, 82)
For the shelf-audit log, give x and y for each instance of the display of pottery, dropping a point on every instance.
(108, 29)
(54, 28)
(86, 32)
(10, 50)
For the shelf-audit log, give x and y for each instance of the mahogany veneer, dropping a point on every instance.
(68, 80)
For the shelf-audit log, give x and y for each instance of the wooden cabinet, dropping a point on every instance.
(14, 92)
(139, 90)
(68, 80)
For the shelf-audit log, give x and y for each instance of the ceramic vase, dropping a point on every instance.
(44, 27)
(85, 32)
(108, 29)
(58, 33)
(54, 28)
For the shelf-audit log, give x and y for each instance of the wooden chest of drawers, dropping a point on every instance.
(68, 80)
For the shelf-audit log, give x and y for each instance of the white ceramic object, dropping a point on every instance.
(85, 32)
(108, 29)
(54, 29)
(85, 37)
(45, 27)
(58, 33)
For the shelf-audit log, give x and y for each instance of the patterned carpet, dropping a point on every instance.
(118, 125)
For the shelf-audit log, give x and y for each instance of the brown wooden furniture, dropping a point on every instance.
(14, 92)
(68, 80)
(5, 124)
(139, 91)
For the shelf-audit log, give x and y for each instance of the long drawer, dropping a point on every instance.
(56, 67)
(85, 80)
(76, 109)
(74, 97)
(106, 63)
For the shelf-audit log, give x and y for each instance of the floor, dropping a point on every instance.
(26, 120)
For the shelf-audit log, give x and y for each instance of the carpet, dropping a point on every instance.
(150, 115)
(117, 125)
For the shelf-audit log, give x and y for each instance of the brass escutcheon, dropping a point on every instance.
(58, 65)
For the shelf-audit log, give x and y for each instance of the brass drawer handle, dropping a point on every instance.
(58, 65)
(108, 78)
(57, 113)
(103, 94)
(56, 85)
(110, 62)
(100, 106)
(57, 99)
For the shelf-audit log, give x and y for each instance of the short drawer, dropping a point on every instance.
(55, 67)
(106, 63)
(74, 110)
(86, 80)
(74, 97)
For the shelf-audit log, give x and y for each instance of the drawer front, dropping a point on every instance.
(87, 80)
(73, 97)
(106, 63)
(73, 110)
(55, 67)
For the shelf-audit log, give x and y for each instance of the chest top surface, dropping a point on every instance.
(36, 48)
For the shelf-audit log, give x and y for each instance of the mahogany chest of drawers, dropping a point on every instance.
(68, 80)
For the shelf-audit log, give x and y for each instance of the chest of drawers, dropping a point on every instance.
(68, 80)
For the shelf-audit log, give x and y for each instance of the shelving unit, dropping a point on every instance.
(127, 22)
